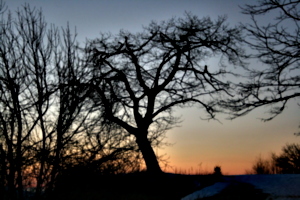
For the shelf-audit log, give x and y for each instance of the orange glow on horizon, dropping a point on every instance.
(199, 146)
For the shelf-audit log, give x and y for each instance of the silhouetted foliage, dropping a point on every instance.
(25, 56)
(217, 171)
(276, 45)
(47, 122)
(289, 160)
(262, 166)
(140, 78)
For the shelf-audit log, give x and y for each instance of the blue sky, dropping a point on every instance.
(233, 145)
(92, 16)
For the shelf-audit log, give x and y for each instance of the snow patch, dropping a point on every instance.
(278, 186)
(207, 191)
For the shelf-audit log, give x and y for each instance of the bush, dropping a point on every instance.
(262, 166)
(288, 162)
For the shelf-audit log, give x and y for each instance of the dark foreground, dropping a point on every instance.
(136, 186)
(143, 186)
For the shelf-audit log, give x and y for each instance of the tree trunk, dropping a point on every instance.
(148, 154)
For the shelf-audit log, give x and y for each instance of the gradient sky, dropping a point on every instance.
(197, 144)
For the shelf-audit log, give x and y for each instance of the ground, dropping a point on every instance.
(269, 187)
(136, 186)
(142, 186)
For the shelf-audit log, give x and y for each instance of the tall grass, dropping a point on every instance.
(189, 171)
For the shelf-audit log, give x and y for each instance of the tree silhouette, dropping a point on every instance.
(263, 166)
(47, 123)
(276, 45)
(138, 79)
(289, 160)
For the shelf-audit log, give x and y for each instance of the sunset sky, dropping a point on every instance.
(197, 144)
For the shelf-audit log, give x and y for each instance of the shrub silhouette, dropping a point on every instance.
(288, 162)
(217, 171)
(262, 166)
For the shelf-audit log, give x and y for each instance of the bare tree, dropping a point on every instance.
(276, 45)
(47, 123)
(13, 131)
(26, 86)
(262, 166)
(140, 78)
(36, 42)
(288, 161)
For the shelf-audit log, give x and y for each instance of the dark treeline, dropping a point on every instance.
(103, 107)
